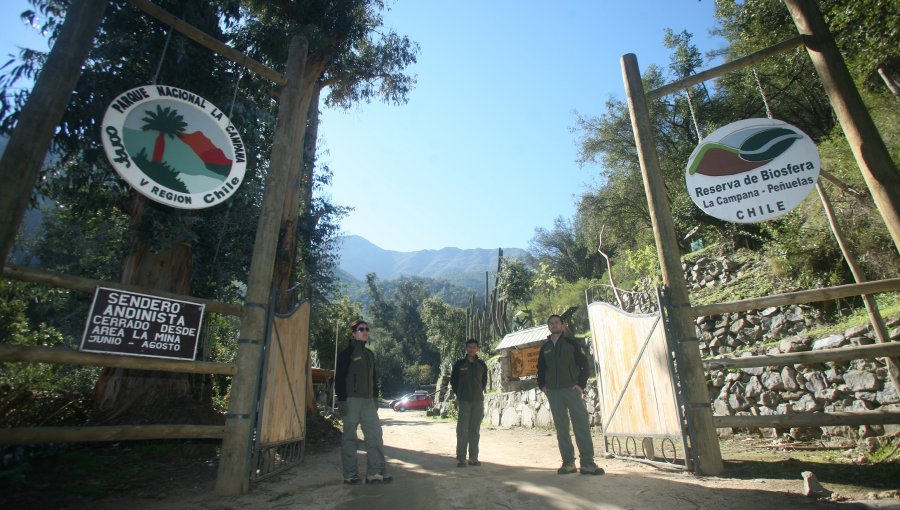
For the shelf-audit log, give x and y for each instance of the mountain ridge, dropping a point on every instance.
(360, 256)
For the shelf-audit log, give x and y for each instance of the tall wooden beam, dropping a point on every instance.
(30, 140)
(31, 435)
(872, 156)
(704, 440)
(799, 297)
(67, 356)
(66, 281)
(234, 464)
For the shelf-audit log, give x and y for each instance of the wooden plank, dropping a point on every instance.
(31, 435)
(792, 358)
(636, 385)
(43, 277)
(809, 419)
(283, 415)
(208, 41)
(65, 355)
(734, 65)
(800, 297)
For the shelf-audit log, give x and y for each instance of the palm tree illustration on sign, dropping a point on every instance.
(167, 122)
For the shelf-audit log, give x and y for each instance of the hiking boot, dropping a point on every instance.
(567, 469)
(461, 463)
(379, 478)
(591, 469)
(474, 462)
(353, 480)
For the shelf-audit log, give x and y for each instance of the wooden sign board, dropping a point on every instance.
(523, 362)
(128, 323)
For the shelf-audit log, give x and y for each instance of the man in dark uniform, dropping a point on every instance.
(562, 376)
(357, 393)
(468, 380)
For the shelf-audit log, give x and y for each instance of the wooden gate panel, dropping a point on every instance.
(283, 412)
(636, 386)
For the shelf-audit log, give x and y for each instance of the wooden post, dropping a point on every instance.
(30, 140)
(868, 148)
(233, 476)
(705, 442)
(881, 331)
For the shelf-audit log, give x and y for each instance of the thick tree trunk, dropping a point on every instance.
(292, 213)
(129, 396)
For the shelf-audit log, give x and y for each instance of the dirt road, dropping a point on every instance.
(518, 472)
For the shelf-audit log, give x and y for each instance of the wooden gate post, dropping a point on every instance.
(705, 442)
(868, 148)
(30, 140)
(233, 477)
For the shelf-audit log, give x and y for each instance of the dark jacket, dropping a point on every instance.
(562, 365)
(355, 373)
(469, 379)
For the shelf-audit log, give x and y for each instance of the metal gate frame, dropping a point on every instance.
(612, 442)
(269, 459)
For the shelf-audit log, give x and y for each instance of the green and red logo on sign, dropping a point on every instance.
(752, 170)
(174, 147)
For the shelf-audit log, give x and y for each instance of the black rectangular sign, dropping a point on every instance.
(122, 322)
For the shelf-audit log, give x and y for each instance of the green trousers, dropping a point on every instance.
(468, 428)
(565, 403)
(362, 412)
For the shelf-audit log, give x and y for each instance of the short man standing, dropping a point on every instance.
(468, 380)
(357, 393)
(562, 376)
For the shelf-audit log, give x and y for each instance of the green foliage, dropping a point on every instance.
(400, 340)
(640, 267)
(37, 393)
(446, 329)
(566, 295)
(515, 282)
(567, 250)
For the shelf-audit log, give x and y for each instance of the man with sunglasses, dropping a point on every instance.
(357, 393)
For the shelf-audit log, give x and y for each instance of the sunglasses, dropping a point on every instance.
(359, 330)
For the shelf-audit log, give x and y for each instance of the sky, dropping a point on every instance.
(482, 154)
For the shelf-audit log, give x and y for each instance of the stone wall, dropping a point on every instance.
(529, 408)
(831, 387)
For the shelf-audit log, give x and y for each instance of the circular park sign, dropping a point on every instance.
(752, 170)
(174, 147)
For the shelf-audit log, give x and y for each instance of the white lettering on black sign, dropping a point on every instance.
(122, 322)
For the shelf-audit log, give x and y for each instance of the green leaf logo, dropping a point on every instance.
(768, 145)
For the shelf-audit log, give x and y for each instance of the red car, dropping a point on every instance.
(415, 401)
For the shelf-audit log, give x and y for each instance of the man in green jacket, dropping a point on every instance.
(468, 380)
(356, 386)
(562, 376)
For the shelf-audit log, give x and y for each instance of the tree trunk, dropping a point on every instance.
(159, 147)
(29, 142)
(129, 396)
(286, 254)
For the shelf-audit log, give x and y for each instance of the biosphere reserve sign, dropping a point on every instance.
(174, 146)
(752, 170)
(122, 322)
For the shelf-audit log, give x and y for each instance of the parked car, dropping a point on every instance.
(398, 399)
(416, 401)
